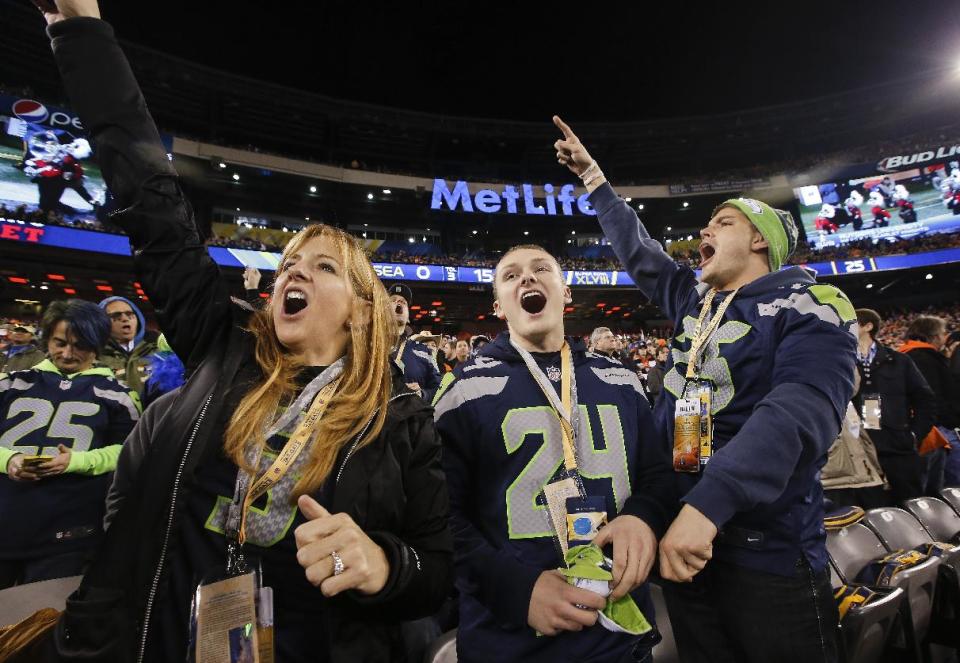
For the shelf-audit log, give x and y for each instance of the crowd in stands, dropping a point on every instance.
(53, 218)
(239, 242)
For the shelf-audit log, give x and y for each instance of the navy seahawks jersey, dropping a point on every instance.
(39, 409)
(502, 443)
(781, 362)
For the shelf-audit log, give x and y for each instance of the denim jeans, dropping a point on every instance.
(951, 474)
(730, 614)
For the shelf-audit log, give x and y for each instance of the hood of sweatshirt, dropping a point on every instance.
(141, 327)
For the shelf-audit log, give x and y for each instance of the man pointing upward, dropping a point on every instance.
(749, 421)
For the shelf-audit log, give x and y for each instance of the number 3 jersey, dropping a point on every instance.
(502, 444)
(41, 408)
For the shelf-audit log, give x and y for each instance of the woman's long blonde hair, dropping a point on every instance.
(365, 383)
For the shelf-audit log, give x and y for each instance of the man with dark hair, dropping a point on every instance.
(897, 406)
(420, 370)
(749, 421)
(61, 427)
(22, 353)
(530, 412)
(926, 337)
(128, 351)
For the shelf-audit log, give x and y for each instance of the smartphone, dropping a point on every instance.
(33, 461)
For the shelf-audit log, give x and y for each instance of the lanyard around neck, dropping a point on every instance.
(321, 390)
(701, 334)
(565, 405)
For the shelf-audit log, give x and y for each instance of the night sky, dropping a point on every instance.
(593, 61)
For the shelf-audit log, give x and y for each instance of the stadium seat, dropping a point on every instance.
(443, 649)
(19, 602)
(899, 530)
(951, 496)
(937, 517)
(854, 547)
(865, 629)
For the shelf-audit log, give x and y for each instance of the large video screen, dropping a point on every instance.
(882, 208)
(47, 170)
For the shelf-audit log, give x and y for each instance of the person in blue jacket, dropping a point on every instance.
(774, 352)
(415, 361)
(504, 440)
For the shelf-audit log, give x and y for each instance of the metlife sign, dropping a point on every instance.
(509, 200)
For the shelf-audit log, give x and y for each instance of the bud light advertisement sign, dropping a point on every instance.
(47, 170)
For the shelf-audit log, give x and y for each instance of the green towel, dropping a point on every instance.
(589, 569)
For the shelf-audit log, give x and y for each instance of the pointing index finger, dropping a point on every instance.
(563, 127)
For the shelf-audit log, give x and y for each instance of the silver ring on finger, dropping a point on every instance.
(337, 563)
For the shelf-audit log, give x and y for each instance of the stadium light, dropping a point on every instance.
(313, 189)
(628, 199)
(689, 237)
(686, 204)
(573, 232)
(306, 218)
(929, 277)
(222, 165)
(238, 209)
(869, 285)
(474, 232)
(364, 235)
(236, 177)
(526, 232)
(369, 196)
(669, 228)
(387, 191)
(640, 206)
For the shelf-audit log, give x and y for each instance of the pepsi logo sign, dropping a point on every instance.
(34, 112)
(29, 110)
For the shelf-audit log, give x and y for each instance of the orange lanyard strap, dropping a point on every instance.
(289, 454)
(701, 335)
(565, 406)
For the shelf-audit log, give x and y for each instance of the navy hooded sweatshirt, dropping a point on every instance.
(782, 362)
(502, 443)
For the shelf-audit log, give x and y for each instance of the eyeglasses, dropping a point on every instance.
(121, 315)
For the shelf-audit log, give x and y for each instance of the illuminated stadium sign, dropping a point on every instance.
(86, 240)
(508, 200)
(897, 162)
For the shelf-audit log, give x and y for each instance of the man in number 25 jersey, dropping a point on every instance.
(61, 427)
(503, 442)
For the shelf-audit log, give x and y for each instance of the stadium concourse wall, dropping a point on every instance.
(114, 244)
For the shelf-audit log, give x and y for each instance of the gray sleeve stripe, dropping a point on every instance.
(620, 377)
(803, 304)
(468, 389)
(120, 397)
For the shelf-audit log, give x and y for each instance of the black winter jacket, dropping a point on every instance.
(907, 403)
(393, 488)
(935, 368)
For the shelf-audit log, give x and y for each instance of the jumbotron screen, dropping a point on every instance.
(882, 208)
(46, 165)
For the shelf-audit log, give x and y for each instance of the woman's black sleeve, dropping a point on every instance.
(181, 280)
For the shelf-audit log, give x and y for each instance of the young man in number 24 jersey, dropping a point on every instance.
(503, 443)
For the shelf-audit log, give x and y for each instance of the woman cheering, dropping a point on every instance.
(294, 449)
